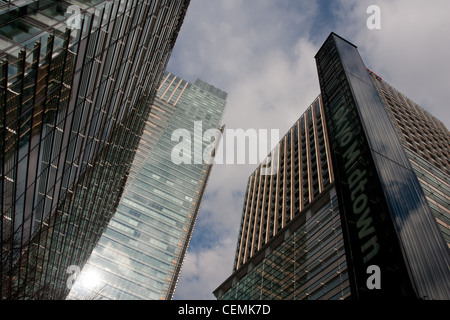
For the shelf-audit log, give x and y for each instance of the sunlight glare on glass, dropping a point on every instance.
(90, 279)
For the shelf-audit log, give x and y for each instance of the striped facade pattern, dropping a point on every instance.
(426, 141)
(420, 131)
(272, 201)
(291, 243)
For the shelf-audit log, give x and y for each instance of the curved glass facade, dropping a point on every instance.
(74, 98)
(141, 252)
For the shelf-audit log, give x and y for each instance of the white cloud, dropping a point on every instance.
(410, 51)
(203, 270)
(247, 49)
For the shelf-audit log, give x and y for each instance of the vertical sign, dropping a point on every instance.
(370, 239)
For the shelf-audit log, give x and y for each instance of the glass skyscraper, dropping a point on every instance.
(140, 255)
(363, 187)
(290, 242)
(77, 82)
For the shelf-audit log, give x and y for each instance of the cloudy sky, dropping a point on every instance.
(262, 53)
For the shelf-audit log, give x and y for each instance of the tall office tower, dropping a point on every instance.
(77, 82)
(379, 227)
(425, 140)
(290, 242)
(141, 252)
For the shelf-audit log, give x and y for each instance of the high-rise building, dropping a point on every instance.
(290, 232)
(77, 82)
(140, 254)
(360, 205)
